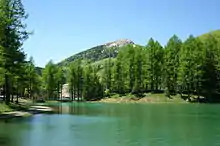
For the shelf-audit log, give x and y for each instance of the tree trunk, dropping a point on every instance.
(7, 90)
(4, 91)
(17, 94)
(61, 92)
(58, 91)
(30, 93)
(72, 94)
(78, 92)
(12, 97)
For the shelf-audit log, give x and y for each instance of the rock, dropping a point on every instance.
(14, 114)
(40, 109)
(119, 43)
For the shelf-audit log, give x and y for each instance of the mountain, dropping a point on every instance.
(215, 34)
(99, 52)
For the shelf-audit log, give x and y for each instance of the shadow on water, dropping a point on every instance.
(5, 141)
(76, 108)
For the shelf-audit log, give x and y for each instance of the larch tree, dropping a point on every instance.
(171, 64)
(13, 33)
(49, 79)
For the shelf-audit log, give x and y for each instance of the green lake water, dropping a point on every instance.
(99, 124)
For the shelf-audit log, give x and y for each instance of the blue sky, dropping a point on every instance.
(65, 27)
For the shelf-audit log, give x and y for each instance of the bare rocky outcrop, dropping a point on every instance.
(119, 43)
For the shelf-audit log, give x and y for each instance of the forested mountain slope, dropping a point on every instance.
(99, 52)
(215, 34)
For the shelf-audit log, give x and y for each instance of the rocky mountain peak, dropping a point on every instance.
(119, 43)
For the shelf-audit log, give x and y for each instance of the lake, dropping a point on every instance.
(102, 124)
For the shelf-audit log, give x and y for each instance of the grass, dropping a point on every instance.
(162, 98)
(215, 34)
(23, 105)
(147, 98)
(5, 108)
(19, 107)
(52, 101)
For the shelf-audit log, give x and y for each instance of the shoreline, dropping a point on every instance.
(32, 110)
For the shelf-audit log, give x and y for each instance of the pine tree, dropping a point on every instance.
(107, 77)
(13, 33)
(171, 64)
(87, 88)
(60, 79)
(198, 56)
(131, 67)
(139, 74)
(191, 60)
(118, 78)
(31, 75)
(49, 79)
(92, 88)
(79, 79)
(154, 65)
(71, 79)
(210, 68)
(75, 79)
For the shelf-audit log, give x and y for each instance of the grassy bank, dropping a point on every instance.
(5, 108)
(147, 98)
(24, 108)
(23, 104)
(12, 107)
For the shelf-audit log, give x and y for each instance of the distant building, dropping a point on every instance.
(65, 91)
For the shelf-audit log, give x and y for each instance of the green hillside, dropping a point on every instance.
(98, 53)
(215, 34)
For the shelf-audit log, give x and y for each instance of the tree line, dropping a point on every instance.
(189, 68)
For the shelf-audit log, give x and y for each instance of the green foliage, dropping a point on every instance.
(93, 54)
(75, 79)
(92, 88)
(12, 35)
(84, 81)
(154, 65)
(118, 78)
(4, 108)
(49, 80)
(107, 77)
(171, 64)
(215, 34)
(138, 87)
(187, 64)
(97, 53)
(53, 80)
(210, 68)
